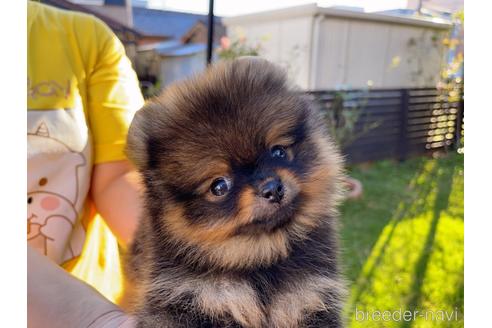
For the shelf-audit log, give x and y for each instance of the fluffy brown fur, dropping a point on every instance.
(264, 253)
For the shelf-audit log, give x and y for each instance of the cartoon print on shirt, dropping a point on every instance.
(49, 88)
(52, 218)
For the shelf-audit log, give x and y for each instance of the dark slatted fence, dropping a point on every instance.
(393, 123)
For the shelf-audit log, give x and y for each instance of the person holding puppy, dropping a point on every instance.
(82, 94)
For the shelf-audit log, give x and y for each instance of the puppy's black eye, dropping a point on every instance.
(220, 186)
(278, 152)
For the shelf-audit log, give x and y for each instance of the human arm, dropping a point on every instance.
(56, 299)
(115, 191)
(113, 97)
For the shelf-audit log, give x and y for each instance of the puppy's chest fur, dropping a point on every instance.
(232, 301)
(302, 291)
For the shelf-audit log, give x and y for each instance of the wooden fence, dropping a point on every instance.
(393, 123)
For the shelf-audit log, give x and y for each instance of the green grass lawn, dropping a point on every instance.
(402, 242)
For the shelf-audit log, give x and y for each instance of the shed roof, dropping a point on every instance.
(414, 13)
(174, 48)
(314, 10)
(168, 23)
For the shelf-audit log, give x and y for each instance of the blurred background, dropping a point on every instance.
(388, 76)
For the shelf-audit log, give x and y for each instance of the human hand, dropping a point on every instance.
(57, 299)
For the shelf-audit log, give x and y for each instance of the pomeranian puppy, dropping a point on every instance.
(241, 187)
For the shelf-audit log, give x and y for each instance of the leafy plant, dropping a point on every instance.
(342, 118)
(231, 49)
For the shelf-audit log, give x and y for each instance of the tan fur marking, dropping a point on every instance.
(284, 141)
(221, 246)
(246, 251)
(288, 177)
(196, 234)
(213, 234)
(308, 296)
(223, 296)
(246, 203)
(276, 135)
(302, 223)
(325, 178)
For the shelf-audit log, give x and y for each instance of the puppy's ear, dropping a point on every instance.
(138, 136)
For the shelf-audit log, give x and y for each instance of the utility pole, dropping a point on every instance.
(210, 38)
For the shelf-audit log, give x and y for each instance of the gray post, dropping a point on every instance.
(403, 140)
(210, 38)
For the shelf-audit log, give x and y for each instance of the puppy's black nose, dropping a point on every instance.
(273, 190)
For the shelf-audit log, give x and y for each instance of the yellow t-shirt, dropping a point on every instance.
(81, 96)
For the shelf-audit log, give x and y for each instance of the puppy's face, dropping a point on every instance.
(237, 165)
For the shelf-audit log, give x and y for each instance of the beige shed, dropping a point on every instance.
(328, 48)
